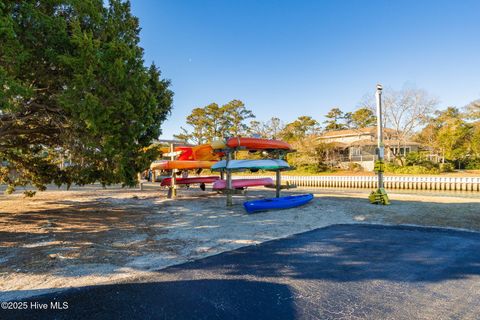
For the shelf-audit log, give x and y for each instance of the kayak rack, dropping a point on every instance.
(283, 186)
(233, 191)
(279, 154)
(173, 184)
(172, 189)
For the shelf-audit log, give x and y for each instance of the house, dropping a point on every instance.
(169, 142)
(359, 146)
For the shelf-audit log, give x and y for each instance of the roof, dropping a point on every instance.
(354, 132)
(388, 143)
(339, 145)
(174, 142)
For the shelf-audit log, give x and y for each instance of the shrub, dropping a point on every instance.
(353, 166)
(414, 158)
(415, 169)
(419, 159)
(447, 167)
(311, 168)
(473, 164)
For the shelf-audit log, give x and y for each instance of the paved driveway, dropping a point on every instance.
(339, 272)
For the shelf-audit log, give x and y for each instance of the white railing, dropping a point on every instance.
(391, 182)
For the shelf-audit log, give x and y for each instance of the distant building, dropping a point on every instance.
(168, 142)
(359, 146)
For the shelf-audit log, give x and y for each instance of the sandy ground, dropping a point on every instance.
(88, 236)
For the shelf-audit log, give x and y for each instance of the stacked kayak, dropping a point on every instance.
(243, 183)
(192, 180)
(249, 144)
(257, 144)
(277, 203)
(185, 158)
(180, 164)
(240, 165)
(203, 152)
(207, 156)
(182, 153)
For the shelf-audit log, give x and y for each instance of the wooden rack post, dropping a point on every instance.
(229, 181)
(282, 155)
(278, 183)
(172, 190)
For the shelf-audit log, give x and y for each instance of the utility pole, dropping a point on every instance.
(380, 195)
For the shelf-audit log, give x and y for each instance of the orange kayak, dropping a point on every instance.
(203, 152)
(257, 144)
(181, 164)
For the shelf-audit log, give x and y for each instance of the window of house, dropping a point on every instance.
(355, 151)
(404, 151)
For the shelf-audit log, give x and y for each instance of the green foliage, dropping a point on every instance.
(415, 169)
(299, 129)
(446, 167)
(310, 156)
(472, 164)
(213, 121)
(338, 120)
(417, 163)
(419, 159)
(414, 158)
(363, 118)
(450, 135)
(474, 140)
(74, 87)
(234, 116)
(334, 118)
(309, 169)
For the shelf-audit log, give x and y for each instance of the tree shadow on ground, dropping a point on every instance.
(191, 299)
(108, 232)
(349, 271)
(105, 230)
(353, 253)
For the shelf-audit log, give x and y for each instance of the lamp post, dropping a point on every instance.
(380, 146)
(380, 195)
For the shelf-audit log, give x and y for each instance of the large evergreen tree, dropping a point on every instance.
(213, 122)
(302, 127)
(363, 118)
(334, 120)
(73, 86)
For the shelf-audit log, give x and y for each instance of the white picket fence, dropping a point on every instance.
(391, 182)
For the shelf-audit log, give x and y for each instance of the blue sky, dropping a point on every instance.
(293, 58)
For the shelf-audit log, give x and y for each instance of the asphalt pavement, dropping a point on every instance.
(338, 272)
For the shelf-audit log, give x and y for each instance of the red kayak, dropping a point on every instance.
(257, 144)
(192, 180)
(243, 183)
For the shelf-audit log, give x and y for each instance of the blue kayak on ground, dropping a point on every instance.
(277, 203)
